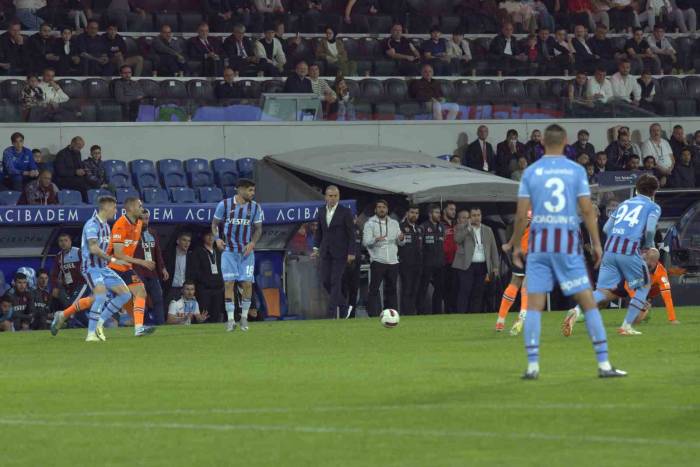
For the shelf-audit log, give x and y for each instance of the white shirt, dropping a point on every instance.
(460, 50)
(604, 88)
(483, 153)
(508, 50)
(661, 152)
(333, 49)
(329, 214)
(184, 308)
(479, 255)
(180, 266)
(623, 87)
(53, 96)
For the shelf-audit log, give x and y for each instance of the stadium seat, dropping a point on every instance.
(143, 171)
(124, 193)
(384, 111)
(370, 48)
(272, 295)
(225, 172)
(251, 89)
(466, 91)
(198, 173)
(396, 90)
(172, 89)
(489, 89)
(94, 195)
(155, 196)
(169, 18)
(171, 173)
(117, 173)
(447, 89)
(535, 89)
(411, 111)
(385, 68)
(200, 89)
(96, 88)
(210, 194)
(9, 198)
(12, 89)
(182, 195)
(70, 197)
(379, 24)
(246, 167)
(273, 86)
(189, 21)
(229, 191)
(372, 89)
(514, 91)
(352, 47)
(73, 88)
(150, 88)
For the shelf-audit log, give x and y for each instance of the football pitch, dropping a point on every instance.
(436, 391)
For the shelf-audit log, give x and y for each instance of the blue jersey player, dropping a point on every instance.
(95, 270)
(241, 218)
(555, 188)
(630, 230)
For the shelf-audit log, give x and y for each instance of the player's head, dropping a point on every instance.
(449, 210)
(133, 207)
(475, 216)
(434, 213)
(42, 278)
(245, 188)
(64, 241)
(332, 195)
(145, 217)
(208, 238)
(554, 139)
(412, 213)
(188, 290)
(652, 258)
(107, 206)
(647, 185)
(381, 208)
(21, 282)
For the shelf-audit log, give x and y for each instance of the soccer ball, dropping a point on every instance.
(390, 318)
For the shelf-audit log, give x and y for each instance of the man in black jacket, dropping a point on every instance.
(208, 279)
(351, 276)
(68, 167)
(334, 243)
(410, 261)
(40, 50)
(480, 155)
(228, 89)
(241, 53)
(298, 82)
(505, 52)
(178, 263)
(433, 255)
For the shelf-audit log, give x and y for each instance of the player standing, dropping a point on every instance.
(552, 188)
(67, 284)
(517, 282)
(95, 242)
(630, 229)
(242, 227)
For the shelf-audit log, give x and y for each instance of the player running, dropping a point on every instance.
(630, 229)
(100, 278)
(553, 187)
(242, 227)
(517, 282)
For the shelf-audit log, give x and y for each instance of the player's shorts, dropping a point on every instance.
(518, 271)
(617, 268)
(238, 268)
(544, 269)
(103, 276)
(130, 277)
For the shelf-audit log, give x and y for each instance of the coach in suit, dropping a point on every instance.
(477, 257)
(334, 243)
(480, 155)
(178, 263)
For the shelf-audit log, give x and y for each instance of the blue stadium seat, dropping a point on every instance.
(210, 194)
(272, 295)
(225, 172)
(198, 173)
(93, 195)
(124, 193)
(155, 196)
(144, 173)
(246, 167)
(117, 173)
(171, 173)
(229, 191)
(182, 195)
(9, 198)
(70, 197)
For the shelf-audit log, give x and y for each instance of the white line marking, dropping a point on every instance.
(361, 431)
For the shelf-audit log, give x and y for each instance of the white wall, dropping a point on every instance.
(130, 141)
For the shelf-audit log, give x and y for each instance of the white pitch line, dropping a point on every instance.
(357, 430)
(384, 408)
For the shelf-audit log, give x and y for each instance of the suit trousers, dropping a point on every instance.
(388, 275)
(332, 278)
(431, 275)
(410, 285)
(471, 288)
(449, 275)
(211, 301)
(351, 284)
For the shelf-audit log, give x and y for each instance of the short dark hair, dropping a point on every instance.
(474, 208)
(93, 21)
(434, 28)
(583, 132)
(601, 152)
(381, 201)
(245, 183)
(36, 150)
(20, 276)
(686, 149)
(635, 30)
(41, 271)
(15, 135)
(6, 298)
(184, 233)
(676, 127)
(433, 207)
(189, 282)
(94, 147)
(32, 75)
(554, 135)
(64, 234)
(106, 199)
(634, 156)
(650, 157)
(121, 68)
(413, 206)
(647, 185)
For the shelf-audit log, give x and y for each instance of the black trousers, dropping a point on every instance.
(386, 274)
(431, 275)
(211, 301)
(351, 284)
(471, 289)
(155, 295)
(332, 277)
(449, 297)
(410, 284)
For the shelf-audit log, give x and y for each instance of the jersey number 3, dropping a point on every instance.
(557, 186)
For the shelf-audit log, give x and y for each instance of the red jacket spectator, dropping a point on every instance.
(579, 6)
(449, 246)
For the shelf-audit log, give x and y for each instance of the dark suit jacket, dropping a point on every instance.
(196, 50)
(475, 159)
(170, 266)
(231, 50)
(295, 85)
(336, 240)
(498, 46)
(582, 54)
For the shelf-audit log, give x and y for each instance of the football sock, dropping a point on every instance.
(531, 333)
(637, 304)
(507, 301)
(139, 305)
(114, 305)
(83, 304)
(596, 331)
(245, 306)
(230, 309)
(523, 299)
(95, 308)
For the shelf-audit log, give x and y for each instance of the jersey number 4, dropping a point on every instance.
(631, 217)
(559, 200)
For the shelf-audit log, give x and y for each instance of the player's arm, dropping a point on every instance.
(609, 224)
(95, 249)
(215, 223)
(520, 226)
(118, 250)
(591, 221)
(650, 231)
(257, 233)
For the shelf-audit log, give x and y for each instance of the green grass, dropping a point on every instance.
(436, 391)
